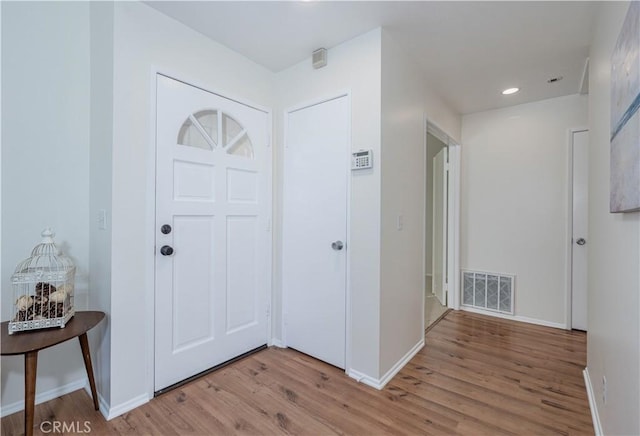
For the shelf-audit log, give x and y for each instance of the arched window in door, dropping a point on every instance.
(210, 129)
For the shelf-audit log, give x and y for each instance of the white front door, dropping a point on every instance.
(212, 230)
(315, 229)
(580, 200)
(439, 254)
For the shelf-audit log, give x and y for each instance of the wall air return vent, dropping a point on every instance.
(488, 291)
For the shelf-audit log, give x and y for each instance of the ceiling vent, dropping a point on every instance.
(319, 58)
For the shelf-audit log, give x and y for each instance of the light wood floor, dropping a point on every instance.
(476, 376)
(433, 310)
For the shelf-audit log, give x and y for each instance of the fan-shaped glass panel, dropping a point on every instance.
(242, 147)
(200, 130)
(189, 135)
(230, 129)
(208, 119)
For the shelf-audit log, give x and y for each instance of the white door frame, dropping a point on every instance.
(440, 217)
(569, 243)
(453, 216)
(286, 112)
(150, 218)
(454, 225)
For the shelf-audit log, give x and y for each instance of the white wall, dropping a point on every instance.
(355, 66)
(100, 180)
(434, 145)
(144, 38)
(514, 200)
(403, 197)
(45, 173)
(613, 348)
(441, 114)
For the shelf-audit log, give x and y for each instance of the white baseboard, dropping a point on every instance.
(542, 322)
(8, 409)
(363, 378)
(401, 363)
(102, 403)
(277, 343)
(386, 378)
(125, 407)
(597, 426)
(112, 412)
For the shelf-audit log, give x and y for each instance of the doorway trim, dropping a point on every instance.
(150, 216)
(569, 239)
(453, 215)
(285, 113)
(454, 224)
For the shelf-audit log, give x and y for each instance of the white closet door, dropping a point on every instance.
(580, 149)
(315, 229)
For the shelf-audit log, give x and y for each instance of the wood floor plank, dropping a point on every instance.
(476, 375)
(519, 362)
(511, 383)
(347, 400)
(314, 400)
(357, 401)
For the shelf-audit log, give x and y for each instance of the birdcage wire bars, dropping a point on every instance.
(43, 288)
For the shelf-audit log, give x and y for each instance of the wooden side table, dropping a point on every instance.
(30, 342)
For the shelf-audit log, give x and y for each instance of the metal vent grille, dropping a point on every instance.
(490, 291)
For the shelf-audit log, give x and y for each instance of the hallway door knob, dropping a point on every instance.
(581, 241)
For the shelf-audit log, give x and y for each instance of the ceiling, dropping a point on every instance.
(469, 51)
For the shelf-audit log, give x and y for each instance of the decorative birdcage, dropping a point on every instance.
(43, 288)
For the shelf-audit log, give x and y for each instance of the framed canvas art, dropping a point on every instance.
(625, 117)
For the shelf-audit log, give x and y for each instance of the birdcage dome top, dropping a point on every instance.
(45, 258)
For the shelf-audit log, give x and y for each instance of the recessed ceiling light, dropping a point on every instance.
(510, 91)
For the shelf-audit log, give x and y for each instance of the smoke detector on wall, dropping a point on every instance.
(319, 58)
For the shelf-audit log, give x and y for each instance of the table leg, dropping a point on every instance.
(30, 371)
(86, 355)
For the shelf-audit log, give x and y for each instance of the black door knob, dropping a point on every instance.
(166, 250)
(337, 245)
(165, 229)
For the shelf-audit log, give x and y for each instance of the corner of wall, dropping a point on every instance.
(402, 207)
(101, 15)
(593, 404)
(613, 338)
(45, 77)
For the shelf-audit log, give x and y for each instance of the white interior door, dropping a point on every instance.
(212, 230)
(315, 229)
(580, 152)
(439, 254)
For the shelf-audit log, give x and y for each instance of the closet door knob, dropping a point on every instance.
(166, 250)
(337, 245)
